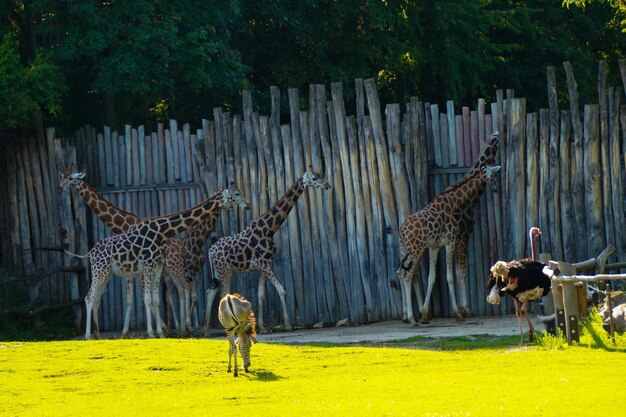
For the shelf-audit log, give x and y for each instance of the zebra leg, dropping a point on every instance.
(233, 353)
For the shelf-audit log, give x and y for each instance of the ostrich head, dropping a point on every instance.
(497, 283)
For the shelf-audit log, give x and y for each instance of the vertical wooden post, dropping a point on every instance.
(557, 298)
(609, 304)
(570, 304)
(548, 302)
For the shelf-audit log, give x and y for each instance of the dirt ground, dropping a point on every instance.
(395, 330)
(377, 332)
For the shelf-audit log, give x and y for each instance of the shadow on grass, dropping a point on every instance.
(473, 342)
(263, 376)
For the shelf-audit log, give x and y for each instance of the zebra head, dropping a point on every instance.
(245, 340)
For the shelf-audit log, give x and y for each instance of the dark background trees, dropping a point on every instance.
(66, 63)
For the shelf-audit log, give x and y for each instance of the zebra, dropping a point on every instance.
(235, 314)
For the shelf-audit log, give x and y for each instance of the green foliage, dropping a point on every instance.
(149, 60)
(51, 325)
(536, 34)
(593, 335)
(30, 89)
(25, 326)
(550, 341)
(127, 57)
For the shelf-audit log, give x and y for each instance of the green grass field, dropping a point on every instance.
(188, 377)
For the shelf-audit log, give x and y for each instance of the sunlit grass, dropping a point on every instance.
(188, 377)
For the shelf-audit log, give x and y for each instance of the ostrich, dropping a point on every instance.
(522, 279)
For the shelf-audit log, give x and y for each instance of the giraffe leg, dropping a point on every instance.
(92, 299)
(461, 257)
(450, 280)
(432, 253)
(96, 326)
(130, 295)
(187, 303)
(89, 312)
(170, 301)
(182, 306)
(418, 292)
(281, 293)
(194, 302)
(147, 300)
(406, 279)
(403, 291)
(156, 299)
(407, 303)
(223, 278)
(261, 300)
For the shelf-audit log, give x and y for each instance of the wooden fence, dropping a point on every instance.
(338, 249)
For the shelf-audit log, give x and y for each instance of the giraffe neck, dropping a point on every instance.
(466, 192)
(196, 236)
(274, 217)
(116, 219)
(170, 225)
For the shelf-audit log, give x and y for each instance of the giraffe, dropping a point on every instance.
(466, 215)
(253, 249)
(183, 264)
(235, 314)
(438, 225)
(182, 259)
(140, 251)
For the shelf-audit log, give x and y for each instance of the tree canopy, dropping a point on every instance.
(141, 61)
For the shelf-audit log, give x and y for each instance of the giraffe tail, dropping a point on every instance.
(214, 281)
(404, 265)
(77, 255)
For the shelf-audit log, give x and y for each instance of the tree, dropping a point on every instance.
(535, 34)
(134, 61)
(31, 85)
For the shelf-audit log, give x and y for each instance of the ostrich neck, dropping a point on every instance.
(533, 247)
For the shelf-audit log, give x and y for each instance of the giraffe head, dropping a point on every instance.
(487, 154)
(311, 179)
(490, 177)
(69, 179)
(232, 198)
